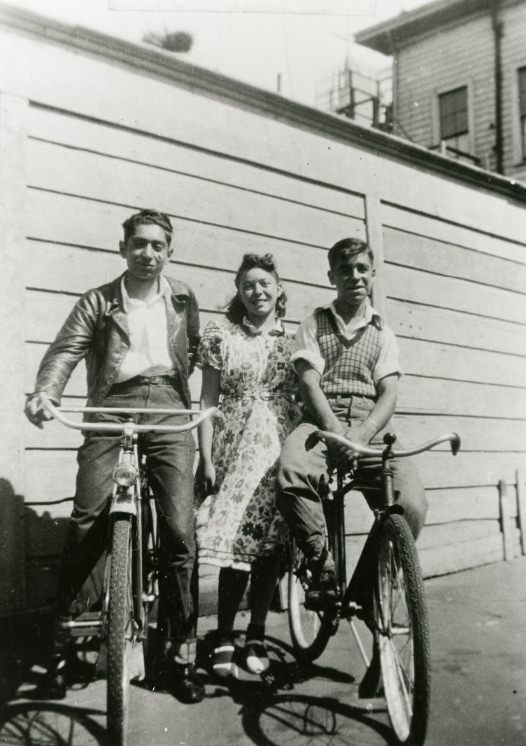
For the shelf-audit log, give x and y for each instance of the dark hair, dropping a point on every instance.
(235, 310)
(148, 217)
(348, 247)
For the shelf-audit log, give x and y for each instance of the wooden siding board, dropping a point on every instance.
(149, 150)
(423, 287)
(424, 358)
(93, 176)
(482, 238)
(466, 505)
(446, 259)
(477, 433)
(437, 324)
(420, 395)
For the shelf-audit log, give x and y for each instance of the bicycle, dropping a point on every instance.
(395, 611)
(131, 576)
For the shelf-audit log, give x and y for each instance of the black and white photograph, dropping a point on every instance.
(263, 383)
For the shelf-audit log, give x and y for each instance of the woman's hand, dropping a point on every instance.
(206, 476)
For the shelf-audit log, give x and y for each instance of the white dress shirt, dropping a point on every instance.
(148, 354)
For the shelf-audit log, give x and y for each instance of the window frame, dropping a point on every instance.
(440, 91)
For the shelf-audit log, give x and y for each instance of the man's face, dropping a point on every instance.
(146, 251)
(353, 278)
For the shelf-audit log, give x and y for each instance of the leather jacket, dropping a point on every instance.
(97, 329)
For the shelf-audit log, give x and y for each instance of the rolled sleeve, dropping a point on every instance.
(388, 362)
(306, 347)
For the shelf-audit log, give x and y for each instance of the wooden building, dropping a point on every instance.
(93, 128)
(459, 79)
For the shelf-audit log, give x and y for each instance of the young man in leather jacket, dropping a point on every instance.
(138, 336)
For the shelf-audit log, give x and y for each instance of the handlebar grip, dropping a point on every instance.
(455, 444)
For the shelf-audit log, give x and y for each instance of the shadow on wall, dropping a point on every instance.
(44, 541)
(30, 549)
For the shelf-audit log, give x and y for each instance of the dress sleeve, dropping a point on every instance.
(210, 347)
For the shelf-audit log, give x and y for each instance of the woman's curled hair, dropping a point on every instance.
(235, 310)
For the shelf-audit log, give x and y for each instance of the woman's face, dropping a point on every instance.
(259, 291)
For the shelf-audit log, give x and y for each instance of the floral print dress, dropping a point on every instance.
(239, 522)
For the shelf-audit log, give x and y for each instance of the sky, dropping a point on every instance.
(299, 42)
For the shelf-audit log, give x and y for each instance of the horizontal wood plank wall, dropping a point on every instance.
(456, 302)
(236, 178)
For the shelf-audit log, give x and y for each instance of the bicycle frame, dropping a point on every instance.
(386, 592)
(334, 509)
(126, 495)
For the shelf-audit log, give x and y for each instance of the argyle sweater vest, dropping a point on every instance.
(349, 365)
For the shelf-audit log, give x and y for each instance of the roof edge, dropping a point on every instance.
(385, 36)
(228, 89)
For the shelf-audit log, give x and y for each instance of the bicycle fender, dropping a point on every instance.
(123, 502)
(396, 508)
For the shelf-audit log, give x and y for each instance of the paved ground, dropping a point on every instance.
(478, 624)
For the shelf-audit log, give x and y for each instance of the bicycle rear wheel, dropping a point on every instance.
(401, 631)
(120, 630)
(309, 630)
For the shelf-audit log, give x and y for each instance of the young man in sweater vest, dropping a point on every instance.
(346, 359)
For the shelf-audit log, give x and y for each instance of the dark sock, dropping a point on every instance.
(255, 632)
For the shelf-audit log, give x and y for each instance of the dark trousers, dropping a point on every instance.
(303, 478)
(170, 466)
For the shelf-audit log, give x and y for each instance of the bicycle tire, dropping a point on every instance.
(309, 630)
(150, 553)
(119, 640)
(401, 631)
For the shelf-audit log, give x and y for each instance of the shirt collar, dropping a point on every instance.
(277, 330)
(370, 315)
(163, 290)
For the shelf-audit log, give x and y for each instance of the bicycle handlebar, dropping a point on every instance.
(118, 427)
(452, 438)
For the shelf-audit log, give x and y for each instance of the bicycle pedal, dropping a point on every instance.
(354, 609)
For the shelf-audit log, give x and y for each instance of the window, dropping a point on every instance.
(522, 110)
(453, 114)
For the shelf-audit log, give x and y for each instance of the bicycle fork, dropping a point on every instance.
(126, 501)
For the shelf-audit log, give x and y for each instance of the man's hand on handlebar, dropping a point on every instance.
(35, 411)
(340, 454)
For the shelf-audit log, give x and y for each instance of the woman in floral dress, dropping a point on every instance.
(246, 370)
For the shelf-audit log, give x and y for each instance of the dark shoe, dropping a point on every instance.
(188, 686)
(323, 590)
(370, 684)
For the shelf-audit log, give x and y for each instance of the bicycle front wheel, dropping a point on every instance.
(120, 630)
(401, 631)
(309, 630)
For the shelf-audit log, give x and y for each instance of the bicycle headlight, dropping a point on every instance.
(125, 475)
